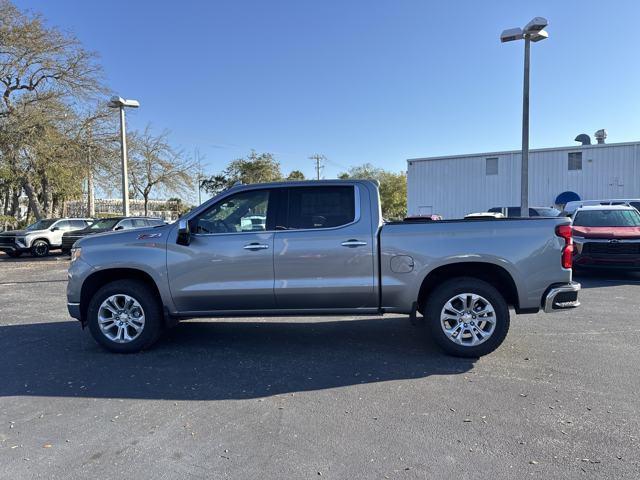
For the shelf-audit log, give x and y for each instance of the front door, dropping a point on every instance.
(229, 262)
(323, 249)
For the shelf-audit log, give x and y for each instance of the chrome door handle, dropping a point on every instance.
(353, 243)
(256, 246)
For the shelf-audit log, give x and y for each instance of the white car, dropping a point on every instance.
(485, 215)
(40, 237)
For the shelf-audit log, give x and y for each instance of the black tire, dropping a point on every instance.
(148, 300)
(438, 298)
(40, 248)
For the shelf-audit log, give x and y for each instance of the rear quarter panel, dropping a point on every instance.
(527, 249)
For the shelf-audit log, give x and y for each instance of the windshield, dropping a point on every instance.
(105, 223)
(41, 225)
(607, 218)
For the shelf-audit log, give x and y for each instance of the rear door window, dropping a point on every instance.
(125, 224)
(320, 207)
(140, 222)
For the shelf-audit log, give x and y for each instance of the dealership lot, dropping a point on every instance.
(309, 397)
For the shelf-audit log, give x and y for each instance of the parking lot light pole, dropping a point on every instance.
(532, 32)
(120, 103)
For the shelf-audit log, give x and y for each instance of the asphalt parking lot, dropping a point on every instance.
(310, 397)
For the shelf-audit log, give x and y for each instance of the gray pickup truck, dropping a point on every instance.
(320, 248)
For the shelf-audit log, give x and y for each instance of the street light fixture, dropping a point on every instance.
(534, 31)
(120, 103)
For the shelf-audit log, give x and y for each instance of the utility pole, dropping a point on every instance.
(91, 204)
(524, 175)
(120, 103)
(534, 31)
(318, 158)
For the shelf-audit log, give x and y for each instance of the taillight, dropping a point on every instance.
(564, 231)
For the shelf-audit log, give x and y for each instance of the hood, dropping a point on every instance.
(607, 232)
(84, 232)
(13, 233)
(126, 237)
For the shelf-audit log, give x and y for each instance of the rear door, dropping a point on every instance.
(57, 230)
(229, 262)
(323, 250)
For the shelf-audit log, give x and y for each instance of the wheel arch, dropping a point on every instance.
(491, 273)
(44, 239)
(101, 277)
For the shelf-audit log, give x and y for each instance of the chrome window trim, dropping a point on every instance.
(356, 195)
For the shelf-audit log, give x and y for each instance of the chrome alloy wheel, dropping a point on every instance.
(121, 318)
(468, 319)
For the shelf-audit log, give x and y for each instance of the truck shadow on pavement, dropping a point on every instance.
(219, 360)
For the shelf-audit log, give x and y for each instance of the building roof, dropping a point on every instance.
(506, 152)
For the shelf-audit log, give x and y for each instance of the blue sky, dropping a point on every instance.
(361, 81)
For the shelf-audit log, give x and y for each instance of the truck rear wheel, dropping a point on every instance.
(125, 316)
(467, 317)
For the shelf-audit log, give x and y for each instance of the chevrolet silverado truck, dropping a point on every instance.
(40, 237)
(320, 248)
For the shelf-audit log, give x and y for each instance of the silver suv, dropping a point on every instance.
(40, 237)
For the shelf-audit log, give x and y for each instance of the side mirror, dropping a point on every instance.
(55, 229)
(119, 227)
(184, 233)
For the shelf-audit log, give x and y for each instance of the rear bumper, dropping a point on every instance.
(561, 297)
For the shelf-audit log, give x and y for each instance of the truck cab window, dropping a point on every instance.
(320, 207)
(243, 212)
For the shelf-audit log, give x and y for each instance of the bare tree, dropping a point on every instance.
(154, 164)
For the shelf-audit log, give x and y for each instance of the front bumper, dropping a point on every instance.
(74, 310)
(599, 253)
(561, 297)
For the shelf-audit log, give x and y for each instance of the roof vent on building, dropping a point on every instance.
(584, 139)
(600, 135)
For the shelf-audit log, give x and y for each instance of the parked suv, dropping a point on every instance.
(107, 225)
(571, 207)
(607, 236)
(40, 237)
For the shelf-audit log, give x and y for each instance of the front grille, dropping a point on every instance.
(614, 248)
(7, 240)
(67, 242)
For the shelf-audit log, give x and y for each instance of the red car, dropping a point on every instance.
(606, 237)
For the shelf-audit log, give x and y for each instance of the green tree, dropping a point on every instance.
(296, 175)
(393, 188)
(45, 76)
(255, 168)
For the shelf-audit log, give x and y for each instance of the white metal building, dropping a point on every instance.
(453, 186)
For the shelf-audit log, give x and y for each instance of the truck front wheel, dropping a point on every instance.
(467, 317)
(125, 316)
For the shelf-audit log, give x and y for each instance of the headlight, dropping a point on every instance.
(75, 254)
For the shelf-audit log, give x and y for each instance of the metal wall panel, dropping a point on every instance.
(455, 186)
